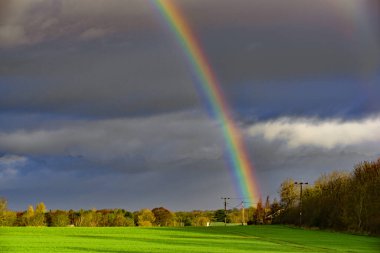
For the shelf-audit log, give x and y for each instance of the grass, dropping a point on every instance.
(190, 239)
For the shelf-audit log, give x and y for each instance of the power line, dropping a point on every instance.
(301, 183)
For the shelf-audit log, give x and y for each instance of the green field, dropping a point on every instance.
(189, 239)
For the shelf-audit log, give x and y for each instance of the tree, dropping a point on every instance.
(59, 218)
(330, 192)
(275, 210)
(40, 208)
(219, 215)
(201, 221)
(27, 217)
(30, 211)
(87, 218)
(117, 218)
(183, 218)
(288, 194)
(145, 218)
(260, 212)
(363, 204)
(7, 218)
(338, 200)
(163, 217)
(39, 215)
(3, 204)
(267, 210)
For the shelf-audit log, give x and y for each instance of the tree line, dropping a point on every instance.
(339, 200)
(160, 216)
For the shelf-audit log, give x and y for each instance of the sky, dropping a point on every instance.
(98, 106)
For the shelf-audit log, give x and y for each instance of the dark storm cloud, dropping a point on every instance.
(277, 39)
(98, 106)
(118, 59)
(4, 5)
(307, 57)
(340, 97)
(186, 187)
(146, 157)
(184, 153)
(92, 59)
(129, 145)
(122, 81)
(32, 22)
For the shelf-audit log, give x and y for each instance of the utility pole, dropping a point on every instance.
(225, 210)
(301, 183)
(242, 214)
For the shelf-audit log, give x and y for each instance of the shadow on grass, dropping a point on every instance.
(283, 236)
(205, 241)
(248, 238)
(207, 244)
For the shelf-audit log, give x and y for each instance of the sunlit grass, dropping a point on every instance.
(191, 239)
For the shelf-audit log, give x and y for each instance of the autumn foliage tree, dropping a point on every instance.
(145, 218)
(163, 217)
(7, 217)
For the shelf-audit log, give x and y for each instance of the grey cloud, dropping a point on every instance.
(146, 158)
(13, 35)
(128, 80)
(4, 5)
(319, 56)
(9, 166)
(8, 160)
(137, 68)
(293, 39)
(93, 33)
(32, 22)
(146, 143)
(167, 160)
(186, 169)
(94, 95)
(185, 188)
(275, 162)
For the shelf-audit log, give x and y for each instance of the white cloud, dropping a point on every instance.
(297, 132)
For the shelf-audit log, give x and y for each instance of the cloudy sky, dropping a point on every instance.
(98, 106)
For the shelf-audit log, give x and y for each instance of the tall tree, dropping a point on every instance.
(163, 217)
(7, 217)
(39, 215)
(145, 218)
(219, 215)
(288, 194)
(59, 218)
(3, 204)
(259, 213)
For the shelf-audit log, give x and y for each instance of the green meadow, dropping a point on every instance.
(187, 239)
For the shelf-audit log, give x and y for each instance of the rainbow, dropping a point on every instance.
(242, 168)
